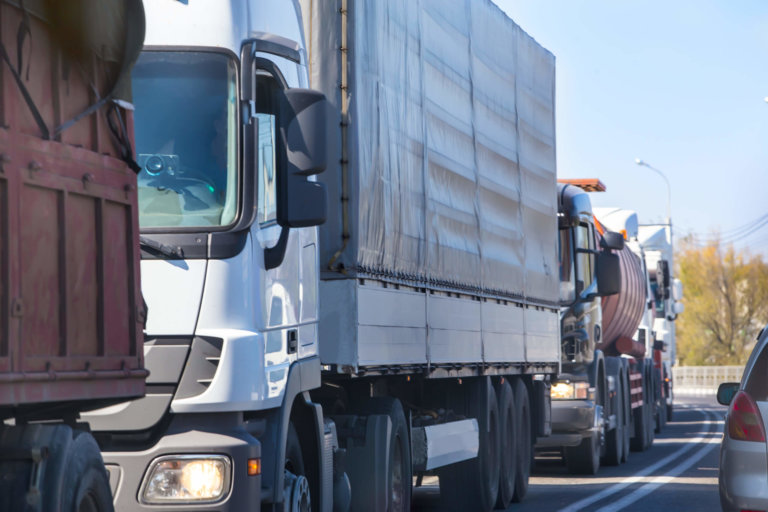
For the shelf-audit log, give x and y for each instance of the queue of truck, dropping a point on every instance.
(358, 264)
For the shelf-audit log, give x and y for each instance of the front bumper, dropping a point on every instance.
(127, 469)
(572, 421)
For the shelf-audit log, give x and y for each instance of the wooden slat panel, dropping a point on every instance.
(116, 279)
(82, 251)
(39, 261)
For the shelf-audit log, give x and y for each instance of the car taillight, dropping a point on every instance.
(744, 420)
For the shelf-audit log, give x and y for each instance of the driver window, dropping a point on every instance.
(584, 260)
(266, 91)
(567, 284)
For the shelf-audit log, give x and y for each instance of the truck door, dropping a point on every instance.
(289, 279)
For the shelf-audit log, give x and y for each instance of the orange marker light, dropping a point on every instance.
(254, 467)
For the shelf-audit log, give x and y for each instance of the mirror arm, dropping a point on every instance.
(273, 256)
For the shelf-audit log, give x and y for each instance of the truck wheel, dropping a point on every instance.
(651, 411)
(643, 417)
(661, 417)
(473, 484)
(584, 459)
(72, 477)
(296, 495)
(627, 411)
(525, 441)
(639, 441)
(400, 477)
(669, 412)
(614, 449)
(507, 445)
(85, 487)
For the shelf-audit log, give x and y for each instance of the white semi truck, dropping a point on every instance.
(350, 287)
(667, 290)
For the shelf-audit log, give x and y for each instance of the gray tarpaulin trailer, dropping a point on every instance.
(440, 247)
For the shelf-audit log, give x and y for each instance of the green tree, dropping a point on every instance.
(726, 304)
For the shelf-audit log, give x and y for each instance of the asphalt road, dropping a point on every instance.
(678, 473)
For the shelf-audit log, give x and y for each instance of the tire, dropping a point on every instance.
(643, 417)
(525, 441)
(639, 441)
(669, 408)
(72, 476)
(627, 420)
(584, 459)
(294, 460)
(474, 484)
(85, 487)
(507, 445)
(651, 409)
(661, 417)
(294, 463)
(614, 439)
(400, 476)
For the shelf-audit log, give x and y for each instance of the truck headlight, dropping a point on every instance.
(566, 390)
(187, 479)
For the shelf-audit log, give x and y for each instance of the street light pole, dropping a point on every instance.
(669, 192)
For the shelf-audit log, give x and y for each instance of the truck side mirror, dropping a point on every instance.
(301, 202)
(608, 273)
(612, 240)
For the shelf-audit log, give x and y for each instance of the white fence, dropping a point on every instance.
(703, 380)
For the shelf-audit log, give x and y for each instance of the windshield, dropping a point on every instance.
(186, 139)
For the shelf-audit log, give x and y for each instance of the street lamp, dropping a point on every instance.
(669, 191)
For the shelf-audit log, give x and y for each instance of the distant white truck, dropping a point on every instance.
(415, 331)
(667, 290)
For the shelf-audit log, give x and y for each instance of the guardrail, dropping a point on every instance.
(703, 380)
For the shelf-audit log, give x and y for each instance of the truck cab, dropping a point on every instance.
(229, 142)
(576, 407)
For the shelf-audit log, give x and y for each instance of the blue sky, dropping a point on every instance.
(680, 84)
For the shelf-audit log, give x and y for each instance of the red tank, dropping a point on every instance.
(622, 312)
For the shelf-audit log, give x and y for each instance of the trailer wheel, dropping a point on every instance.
(669, 412)
(614, 449)
(85, 487)
(525, 441)
(400, 477)
(508, 441)
(473, 484)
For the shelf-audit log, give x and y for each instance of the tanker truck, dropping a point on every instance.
(415, 331)
(602, 401)
(71, 310)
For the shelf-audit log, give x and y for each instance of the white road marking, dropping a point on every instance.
(661, 480)
(638, 477)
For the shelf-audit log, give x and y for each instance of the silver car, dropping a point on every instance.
(743, 478)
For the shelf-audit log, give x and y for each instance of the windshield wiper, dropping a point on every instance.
(164, 249)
